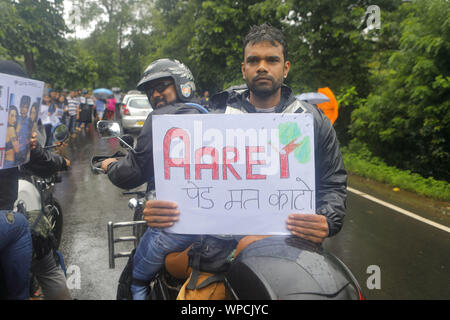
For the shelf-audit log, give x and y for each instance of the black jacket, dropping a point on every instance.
(137, 168)
(331, 177)
(42, 163)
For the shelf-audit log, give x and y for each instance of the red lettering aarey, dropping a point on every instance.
(169, 162)
(249, 162)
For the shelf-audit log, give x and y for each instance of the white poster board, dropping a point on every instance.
(235, 174)
(20, 100)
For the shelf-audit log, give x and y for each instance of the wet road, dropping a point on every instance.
(413, 258)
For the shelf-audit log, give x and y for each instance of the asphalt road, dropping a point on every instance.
(391, 255)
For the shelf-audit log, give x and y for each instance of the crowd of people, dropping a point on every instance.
(76, 109)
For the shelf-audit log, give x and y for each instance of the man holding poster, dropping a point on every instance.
(15, 239)
(264, 68)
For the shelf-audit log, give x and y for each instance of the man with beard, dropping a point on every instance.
(168, 84)
(170, 89)
(264, 69)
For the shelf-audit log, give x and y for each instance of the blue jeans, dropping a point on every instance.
(151, 253)
(16, 250)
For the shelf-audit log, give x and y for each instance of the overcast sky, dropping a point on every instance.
(78, 31)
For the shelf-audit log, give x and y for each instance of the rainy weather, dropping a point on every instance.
(224, 150)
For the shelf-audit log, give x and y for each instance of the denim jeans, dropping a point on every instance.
(151, 253)
(16, 250)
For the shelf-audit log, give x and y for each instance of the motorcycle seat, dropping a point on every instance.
(177, 263)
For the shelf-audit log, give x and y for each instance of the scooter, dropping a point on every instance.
(273, 268)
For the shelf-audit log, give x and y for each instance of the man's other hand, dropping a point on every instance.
(161, 214)
(312, 227)
(107, 162)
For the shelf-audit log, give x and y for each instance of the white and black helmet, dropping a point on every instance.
(174, 69)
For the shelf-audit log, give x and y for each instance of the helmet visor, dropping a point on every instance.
(160, 87)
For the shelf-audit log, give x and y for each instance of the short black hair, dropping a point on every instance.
(25, 101)
(265, 32)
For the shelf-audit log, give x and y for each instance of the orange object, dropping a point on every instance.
(330, 108)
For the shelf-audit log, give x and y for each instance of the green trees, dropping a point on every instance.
(406, 117)
(34, 34)
(34, 31)
(393, 89)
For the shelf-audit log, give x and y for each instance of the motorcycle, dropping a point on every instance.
(36, 193)
(272, 268)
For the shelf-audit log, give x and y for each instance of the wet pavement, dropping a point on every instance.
(413, 258)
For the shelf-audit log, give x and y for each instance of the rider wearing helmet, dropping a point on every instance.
(168, 84)
(170, 72)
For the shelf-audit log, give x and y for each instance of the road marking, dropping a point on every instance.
(400, 210)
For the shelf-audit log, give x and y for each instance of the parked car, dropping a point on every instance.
(134, 111)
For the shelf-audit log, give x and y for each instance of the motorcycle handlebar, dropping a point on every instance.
(139, 194)
(96, 161)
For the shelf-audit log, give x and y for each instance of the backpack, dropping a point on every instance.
(209, 259)
(42, 235)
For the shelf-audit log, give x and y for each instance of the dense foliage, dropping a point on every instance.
(392, 83)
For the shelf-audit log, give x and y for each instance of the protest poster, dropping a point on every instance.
(20, 100)
(235, 174)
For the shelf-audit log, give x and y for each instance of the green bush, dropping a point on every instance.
(358, 160)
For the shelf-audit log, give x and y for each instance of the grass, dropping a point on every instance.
(374, 168)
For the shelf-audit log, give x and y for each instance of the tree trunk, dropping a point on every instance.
(29, 63)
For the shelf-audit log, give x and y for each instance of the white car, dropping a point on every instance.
(134, 111)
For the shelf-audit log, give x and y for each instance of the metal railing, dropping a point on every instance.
(112, 241)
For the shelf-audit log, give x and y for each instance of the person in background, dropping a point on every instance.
(110, 108)
(100, 105)
(44, 118)
(205, 100)
(61, 109)
(91, 103)
(73, 112)
(85, 111)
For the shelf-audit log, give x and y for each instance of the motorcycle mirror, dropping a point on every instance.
(108, 129)
(61, 133)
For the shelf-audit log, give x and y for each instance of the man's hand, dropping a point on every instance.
(161, 214)
(312, 227)
(60, 148)
(67, 162)
(107, 162)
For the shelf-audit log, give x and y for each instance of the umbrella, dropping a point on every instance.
(102, 93)
(313, 97)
